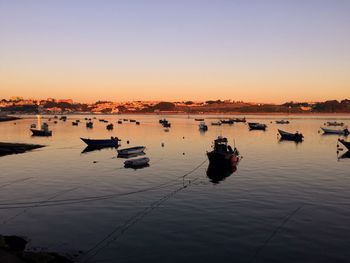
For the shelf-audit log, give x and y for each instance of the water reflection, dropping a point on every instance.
(89, 149)
(216, 173)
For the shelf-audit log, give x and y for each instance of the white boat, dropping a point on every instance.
(132, 150)
(335, 131)
(139, 162)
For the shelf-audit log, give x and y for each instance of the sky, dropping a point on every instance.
(250, 50)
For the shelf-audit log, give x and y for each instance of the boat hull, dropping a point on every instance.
(41, 133)
(345, 143)
(131, 151)
(101, 143)
(224, 160)
(297, 137)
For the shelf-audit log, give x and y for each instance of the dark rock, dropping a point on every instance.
(15, 243)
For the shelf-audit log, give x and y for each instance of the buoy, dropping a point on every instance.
(127, 142)
(162, 144)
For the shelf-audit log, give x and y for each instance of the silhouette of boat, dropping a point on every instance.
(222, 154)
(89, 125)
(297, 137)
(257, 126)
(131, 151)
(203, 126)
(282, 122)
(112, 142)
(240, 119)
(344, 132)
(44, 131)
(110, 127)
(216, 123)
(199, 119)
(230, 121)
(334, 123)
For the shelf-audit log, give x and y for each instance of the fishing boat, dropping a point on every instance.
(216, 123)
(222, 154)
(120, 122)
(110, 127)
(282, 122)
(297, 137)
(89, 125)
(240, 119)
(44, 131)
(334, 123)
(257, 126)
(344, 132)
(74, 123)
(199, 119)
(345, 143)
(230, 121)
(132, 150)
(63, 118)
(162, 121)
(137, 163)
(203, 126)
(166, 124)
(112, 142)
(137, 123)
(132, 120)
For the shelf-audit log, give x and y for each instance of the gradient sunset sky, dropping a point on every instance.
(263, 50)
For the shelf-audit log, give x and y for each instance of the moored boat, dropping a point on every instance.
(137, 163)
(229, 121)
(199, 119)
(110, 127)
(112, 142)
(132, 150)
(334, 123)
(257, 126)
(240, 119)
(89, 125)
(222, 154)
(216, 123)
(345, 143)
(297, 137)
(282, 122)
(203, 126)
(74, 123)
(44, 131)
(344, 132)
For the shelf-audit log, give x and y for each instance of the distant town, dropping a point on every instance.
(19, 105)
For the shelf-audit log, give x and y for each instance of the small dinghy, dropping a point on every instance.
(344, 132)
(230, 121)
(131, 151)
(257, 126)
(203, 126)
(89, 125)
(199, 119)
(110, 127)
(216, 123)
(334, 123)
(297, 137)
(240, 119)
(74, 123)
(137, 123)
(137, 163)
(44, 131)
(345, 143)
(112, 142)
(120, 122)
(282, 122)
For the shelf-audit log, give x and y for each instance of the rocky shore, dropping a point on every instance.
(12, 250)
(15, 148)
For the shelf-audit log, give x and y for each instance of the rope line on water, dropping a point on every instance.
(274, 232)
(45, 203)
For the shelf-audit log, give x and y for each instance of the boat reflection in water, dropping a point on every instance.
(217, 173)
(98, 148)
(223, 160)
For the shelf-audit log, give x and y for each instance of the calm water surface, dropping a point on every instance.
(286, 202)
